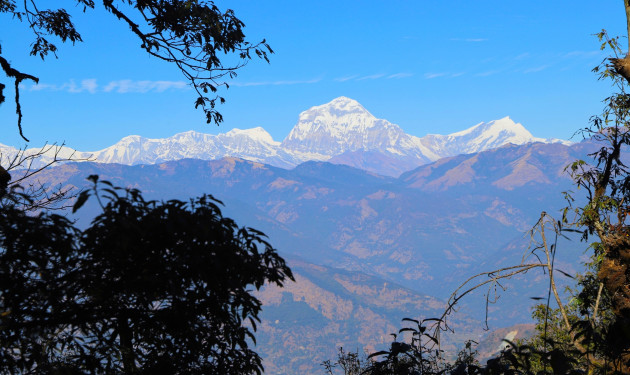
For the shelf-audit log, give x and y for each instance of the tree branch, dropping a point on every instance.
(18, 78)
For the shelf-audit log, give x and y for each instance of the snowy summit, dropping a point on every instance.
(339, 126)
(341, 131)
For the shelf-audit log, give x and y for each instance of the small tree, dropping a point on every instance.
(20, 172)
(150, 287)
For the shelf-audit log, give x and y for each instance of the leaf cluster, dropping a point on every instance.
(194, 35)
(149, 287)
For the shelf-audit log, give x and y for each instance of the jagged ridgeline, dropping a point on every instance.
(341, 132)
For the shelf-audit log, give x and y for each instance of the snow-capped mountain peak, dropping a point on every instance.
(497, 129)
(493, 134)
(257, 134)
(483, 136)
(339, 126)
(339, 107)
(341, 131)
(338, 114)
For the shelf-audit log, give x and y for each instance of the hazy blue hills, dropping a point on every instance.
(422, 234)
(455, 211)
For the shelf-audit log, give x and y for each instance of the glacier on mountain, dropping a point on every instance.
(341, 131)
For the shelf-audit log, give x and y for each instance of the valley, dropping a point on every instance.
(369, 249)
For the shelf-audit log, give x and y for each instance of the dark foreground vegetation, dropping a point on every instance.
(149, 287)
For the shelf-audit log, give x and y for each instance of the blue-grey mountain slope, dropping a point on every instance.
(422, 230)
(425, 231)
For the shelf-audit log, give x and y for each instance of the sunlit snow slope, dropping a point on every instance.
(341, 131)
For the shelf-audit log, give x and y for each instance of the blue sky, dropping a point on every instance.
(428, 66)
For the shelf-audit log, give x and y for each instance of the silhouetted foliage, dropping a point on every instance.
(601, 327)
(193, 35)
(5, 177)
(591, 333)
(149, 287)
(350, 363)
(421, 355)
(20, 173)
(415, 357)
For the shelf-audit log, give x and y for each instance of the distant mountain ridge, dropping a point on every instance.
(373, 249)
(346, 217)
(341, 131)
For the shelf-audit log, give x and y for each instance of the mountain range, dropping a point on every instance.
(377, 224)
(341, 132)
(369, 250)
(457, 212)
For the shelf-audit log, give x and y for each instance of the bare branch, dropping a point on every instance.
(35, 195)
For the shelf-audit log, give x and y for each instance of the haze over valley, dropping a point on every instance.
(365, 214)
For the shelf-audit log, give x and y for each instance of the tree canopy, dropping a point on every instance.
(194, 35)
(149, 287)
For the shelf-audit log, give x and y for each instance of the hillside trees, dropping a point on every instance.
(193, 35)
(149, 287)
(595, 325)
(590, 333)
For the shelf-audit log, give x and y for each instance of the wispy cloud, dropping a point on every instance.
(444, 75)
(356, 77)
(88, 85)
(128, 86)
(276, 83)
(124, 86)
(536, 69)
(469, 40)
(522, 56)
(434, 75)
(373, 76)
(346, 78)
(399, 75)
(574, 54)
(487, 73)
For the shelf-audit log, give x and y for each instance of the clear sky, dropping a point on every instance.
(428, 66)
